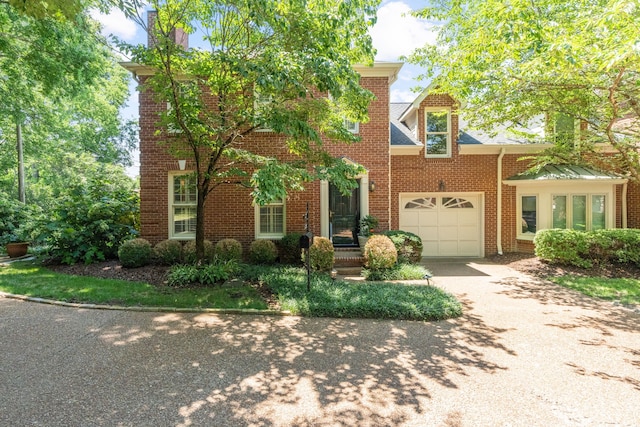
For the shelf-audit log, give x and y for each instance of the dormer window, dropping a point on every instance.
(437, 133)
(565, 129)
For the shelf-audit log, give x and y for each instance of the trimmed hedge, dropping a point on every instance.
(189, 251)
(168, 252)
(380, 253)
(135, 253)
(408, 245)
(587, 248)
(321, 254)
(290, 249)
(229, 249)
(263, 252)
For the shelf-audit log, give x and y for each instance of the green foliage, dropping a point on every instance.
(380, 253)
(229, 249)
(93, 218)
(135, 253)
(368, 225)
(340, 299)
(513, 63)
(408, 245)
(263, 252)
(168, 252)
(210, 274)
(18, 221)
(290, 250)
(586, 248)
(321, 254)
(397, 272)
(189, 252)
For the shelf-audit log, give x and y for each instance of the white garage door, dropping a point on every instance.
(449, 224)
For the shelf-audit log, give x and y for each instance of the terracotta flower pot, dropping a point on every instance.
(16, 250)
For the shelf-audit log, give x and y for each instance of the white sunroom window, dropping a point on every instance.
(183, 200)
(579, 211)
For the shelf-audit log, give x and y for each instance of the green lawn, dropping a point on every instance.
(328, 298)
(627, 291)
(31, 279)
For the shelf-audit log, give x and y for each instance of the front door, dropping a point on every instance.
(344, 216)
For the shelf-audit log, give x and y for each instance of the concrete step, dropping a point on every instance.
(347, 257)
(348, 271)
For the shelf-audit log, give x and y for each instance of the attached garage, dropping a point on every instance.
(450, 225)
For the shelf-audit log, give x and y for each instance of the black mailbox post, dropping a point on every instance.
(306, 240)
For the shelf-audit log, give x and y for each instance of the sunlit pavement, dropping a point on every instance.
(525, 353)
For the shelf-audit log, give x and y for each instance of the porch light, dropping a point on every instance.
(372, 186)
(182, 164)
(441, 185)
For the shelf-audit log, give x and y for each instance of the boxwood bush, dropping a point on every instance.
(189, 251)
(380, 253)
(586, 248)
(408, 245)
(135, 253)
(263, 252)
(290, 249)
(168, 252)
(321, 254)
(229, 249)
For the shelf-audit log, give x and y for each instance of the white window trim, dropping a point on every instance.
(448, 133)
(170, 128)
(353, 127)
(260, 235)
(526, 236)
(589, 213)
(171, 205)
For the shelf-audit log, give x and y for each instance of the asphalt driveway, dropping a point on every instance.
(525, 353)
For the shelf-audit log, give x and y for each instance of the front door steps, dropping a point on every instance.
(348, 261)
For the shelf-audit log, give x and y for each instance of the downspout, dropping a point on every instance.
(499, 202)
(624, 204)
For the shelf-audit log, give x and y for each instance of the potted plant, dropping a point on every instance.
(15, 225)
(368, 224)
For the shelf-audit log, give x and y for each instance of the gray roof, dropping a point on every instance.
(400, 133)
(563, 172)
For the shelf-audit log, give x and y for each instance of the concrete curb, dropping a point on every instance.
(251, 311)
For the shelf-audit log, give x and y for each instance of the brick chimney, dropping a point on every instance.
(177, 35)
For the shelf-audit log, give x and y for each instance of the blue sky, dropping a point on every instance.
(395, 34)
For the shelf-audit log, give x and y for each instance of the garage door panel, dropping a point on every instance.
(448, 224)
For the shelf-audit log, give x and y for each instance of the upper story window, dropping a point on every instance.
(183, 200)
(437, 133)
(565, 129)
(353, 127)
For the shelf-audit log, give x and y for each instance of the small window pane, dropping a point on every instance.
(529, 214)
(437, 144)
(579, 217)
(184, 220)
(422, 203)
(455, 203)
(598, 219)
(184, 189)
(437, 121)
(559, 211)
(271, 219)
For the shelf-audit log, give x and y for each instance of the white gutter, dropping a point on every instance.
(624, 205)
(499, 202)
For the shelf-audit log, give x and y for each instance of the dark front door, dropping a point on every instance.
(344, 215)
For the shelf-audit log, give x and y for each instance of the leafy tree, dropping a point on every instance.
(512, 62)
(269, 65)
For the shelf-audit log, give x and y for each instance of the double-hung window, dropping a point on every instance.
(437, 133)
(183, 200)
(270, 220)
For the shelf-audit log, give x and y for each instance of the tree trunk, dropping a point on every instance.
(21, 187)
(200, 227)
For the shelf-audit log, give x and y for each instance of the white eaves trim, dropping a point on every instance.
(496, 148)
(406, 150)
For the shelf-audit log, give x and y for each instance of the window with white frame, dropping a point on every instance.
(579, 211)
(529, 213)
(270, 220)
(565, 129)
(183, 200)
(437, 133)
(353, 127)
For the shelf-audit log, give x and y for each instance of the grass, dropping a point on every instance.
(402, 271)
(327, 298)
(31, 279)
(627, 291)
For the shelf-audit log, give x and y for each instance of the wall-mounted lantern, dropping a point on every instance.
(372, 186)
(182, 164)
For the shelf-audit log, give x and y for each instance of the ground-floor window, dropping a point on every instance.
(529, 213)
(579, 211)
(270, 220)
(183, 199)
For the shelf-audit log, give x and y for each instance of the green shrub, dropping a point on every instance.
(622, 245)
(563, 246)
(408, 245)
(92, 220)
(263, 252)
(208, 274)
(380, 253)
(321, 254)
(18, 221)
(289, 247)
(135, 253)
(168, 252)
(189, 251)
(368, 224)
(397, 272)
(229, 249)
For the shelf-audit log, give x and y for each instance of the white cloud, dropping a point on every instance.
(397, 33)
(117, 24)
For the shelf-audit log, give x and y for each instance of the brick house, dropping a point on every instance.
(462, 192)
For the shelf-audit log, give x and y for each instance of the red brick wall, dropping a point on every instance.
(230, 213)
